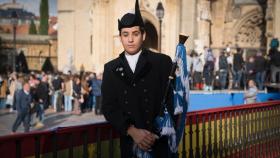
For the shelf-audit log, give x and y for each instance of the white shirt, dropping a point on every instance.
(132, 60)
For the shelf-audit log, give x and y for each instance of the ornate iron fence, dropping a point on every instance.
(236, 132)
(247, 131)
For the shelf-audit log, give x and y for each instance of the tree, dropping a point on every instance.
(48, 66)
(44, 17)
(32, 28)
(21, 63)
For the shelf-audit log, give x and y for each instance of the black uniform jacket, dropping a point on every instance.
(135, 98)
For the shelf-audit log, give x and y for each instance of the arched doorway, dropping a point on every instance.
(151, 41)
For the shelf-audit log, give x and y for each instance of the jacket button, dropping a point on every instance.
(125, 92)
(146, 100)
(142, 80)
(134, 85)
(126, 102)
(145, 90)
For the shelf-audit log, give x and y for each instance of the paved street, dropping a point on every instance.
(52, 120)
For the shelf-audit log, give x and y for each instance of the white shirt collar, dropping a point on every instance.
(132, 60)
(27, 93)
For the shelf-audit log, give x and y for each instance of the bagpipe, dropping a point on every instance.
(165, 124)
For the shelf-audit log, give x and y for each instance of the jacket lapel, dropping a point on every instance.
(124, 72)
(143, 66)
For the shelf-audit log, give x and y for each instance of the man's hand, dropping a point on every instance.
(143, 138)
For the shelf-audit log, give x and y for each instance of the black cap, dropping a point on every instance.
(130, 20)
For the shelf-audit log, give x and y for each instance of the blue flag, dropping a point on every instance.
(181, 95)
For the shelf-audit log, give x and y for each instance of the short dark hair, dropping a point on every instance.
(142, 30)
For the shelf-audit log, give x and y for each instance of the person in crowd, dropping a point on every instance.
(14, 86)
(223, 70)
(3, 91)
(41, 98)
(260, 67)
(91, 98)
(23, 101)
(208, 70)
(68, 93)
(229, 56)
(33, 81)
(250, 96)
(250, 70)
(274, 61)
(190, 68)
(133, 88)
(77, 94)
(58, 86)
(85, 92)
(96, 90)
(238, 64)
(197, 74)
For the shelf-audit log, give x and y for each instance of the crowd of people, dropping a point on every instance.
(77, 94)
(80, 93)
(232, 70)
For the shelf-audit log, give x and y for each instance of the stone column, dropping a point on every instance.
(204, 21)
(276, 19)
(269, 23)
(187, 21)
(101, 34)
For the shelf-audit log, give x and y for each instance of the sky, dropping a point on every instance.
(34, 6)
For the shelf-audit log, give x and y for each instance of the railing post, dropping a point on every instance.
(184, 152)
(240, 133)
(203, 138)
(197, 149)
(18, 149)
(221, 135)
(70, 152)
(215, 137)
(262, 135)
(85, 144)
(209, 136)
(191, 134)
(111, 145)
(230, 142)
(278, 129)
(244, 136)
(54, 145)
(235, 134)
(37, 147)
(98, 142)
(226, 146)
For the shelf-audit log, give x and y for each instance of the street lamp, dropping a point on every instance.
(14, 22)
(160, 15)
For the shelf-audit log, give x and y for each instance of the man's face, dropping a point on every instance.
(26, 87)
(132, 39)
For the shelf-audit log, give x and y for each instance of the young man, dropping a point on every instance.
(23, 101)
(132, 90)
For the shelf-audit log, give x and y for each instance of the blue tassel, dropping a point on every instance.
(139, 153)
(178, 108)
(172, 142)
(165, 124)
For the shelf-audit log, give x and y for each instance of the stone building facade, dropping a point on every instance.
(88, 35)
(36, 49)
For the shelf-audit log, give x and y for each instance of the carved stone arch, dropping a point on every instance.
(247, 30)
(147, 16)
(152, 30)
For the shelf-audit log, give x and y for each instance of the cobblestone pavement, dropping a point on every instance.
(52, 120)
